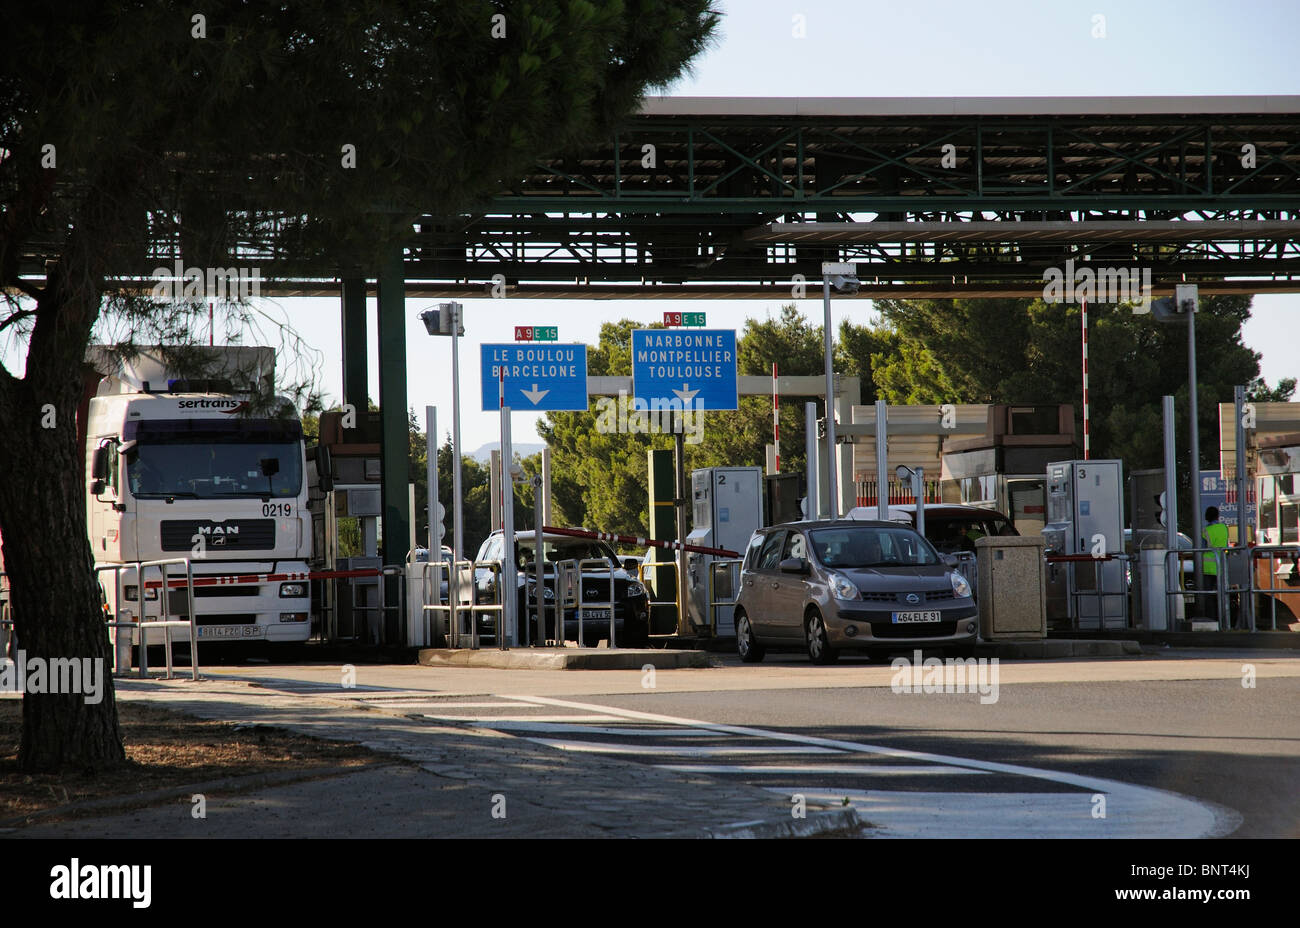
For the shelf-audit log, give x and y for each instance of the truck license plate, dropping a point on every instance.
(231, 631)
(902, 617)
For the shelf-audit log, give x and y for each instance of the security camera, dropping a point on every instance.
(431, 322)
(844, 283)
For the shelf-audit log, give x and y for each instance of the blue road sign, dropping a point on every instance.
(691, 369)
(538, 377)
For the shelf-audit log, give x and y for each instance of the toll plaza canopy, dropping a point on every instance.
(704, 197)
(700, 197)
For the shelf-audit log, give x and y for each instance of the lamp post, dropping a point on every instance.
(448, 319)
(1184, 304)
(844, 277)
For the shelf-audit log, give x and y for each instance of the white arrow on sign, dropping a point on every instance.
(534, 395)
(686, 393)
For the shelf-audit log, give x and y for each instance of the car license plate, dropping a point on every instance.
(902, 617)
(601, 614)
(231, 631)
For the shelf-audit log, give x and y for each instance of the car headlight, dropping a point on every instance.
(547, 592)
(635, 590)
(293, 590)
(959, 585)
(842, 587)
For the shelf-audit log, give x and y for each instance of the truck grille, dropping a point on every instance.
(231, 535)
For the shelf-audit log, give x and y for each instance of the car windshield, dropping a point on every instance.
(871, 546)
(570, 549)
(951, 534)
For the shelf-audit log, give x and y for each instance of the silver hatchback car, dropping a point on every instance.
(832, 586)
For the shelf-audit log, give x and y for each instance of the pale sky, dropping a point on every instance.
(920, 48)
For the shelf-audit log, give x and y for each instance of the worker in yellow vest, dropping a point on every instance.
(1215, 535)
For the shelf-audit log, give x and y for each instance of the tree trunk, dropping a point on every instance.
(54, 593)
(53, 590)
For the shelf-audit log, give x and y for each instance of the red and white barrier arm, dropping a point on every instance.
(637, 540)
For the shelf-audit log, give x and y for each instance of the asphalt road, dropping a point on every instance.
(1211, 740)
(1169, 744)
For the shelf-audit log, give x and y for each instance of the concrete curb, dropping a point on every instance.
(1050, 648)
(818, 823)
(564, 659)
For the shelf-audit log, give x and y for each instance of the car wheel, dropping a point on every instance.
(819, 646)
(747, 646)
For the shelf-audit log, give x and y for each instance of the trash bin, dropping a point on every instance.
(1158, 606)
(1013, 586)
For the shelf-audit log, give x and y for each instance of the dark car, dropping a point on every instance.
(847, 584)
(631, 604)
(950, 527)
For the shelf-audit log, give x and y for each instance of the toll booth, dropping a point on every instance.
(1085, 513)
(1004, 469)
(726, 509)
(345, 530)
(783, 498)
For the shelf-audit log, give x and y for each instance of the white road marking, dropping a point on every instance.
(689, 750)
(1131, 811)
(869, 770)
(401, 703)
(594, 717)
(558, 728)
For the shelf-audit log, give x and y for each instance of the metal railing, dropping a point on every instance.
(447, 610)
(1076, 595)
(165, 611)
(731, 588)
(1220, 590)
(1286, 554)
(581, 603)
(475, 607)
(661, 604)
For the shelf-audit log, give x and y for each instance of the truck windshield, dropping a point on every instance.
(209, 459)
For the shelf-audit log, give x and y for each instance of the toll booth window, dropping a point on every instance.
(1289, 516)
(1267, 504)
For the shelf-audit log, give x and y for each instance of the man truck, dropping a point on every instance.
(203, 470)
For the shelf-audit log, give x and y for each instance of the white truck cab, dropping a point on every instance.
(179, 469)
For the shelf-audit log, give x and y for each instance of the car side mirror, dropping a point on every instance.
(794, 565)
(631, 565)
(96, 487)
(951, 560)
